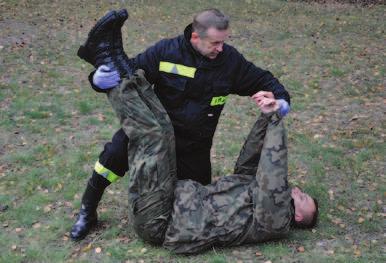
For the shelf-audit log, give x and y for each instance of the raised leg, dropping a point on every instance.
(152, 171)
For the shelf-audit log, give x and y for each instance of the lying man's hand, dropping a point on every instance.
(105, 78)
(264, 100)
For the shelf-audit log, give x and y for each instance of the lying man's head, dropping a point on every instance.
(306, 209)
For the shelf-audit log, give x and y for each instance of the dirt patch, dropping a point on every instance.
(16, 33)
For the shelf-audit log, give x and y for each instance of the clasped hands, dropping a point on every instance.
(267, 103)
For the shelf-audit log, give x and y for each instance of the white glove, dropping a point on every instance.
(105, 78)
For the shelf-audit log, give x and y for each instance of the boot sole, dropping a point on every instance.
(83, 51)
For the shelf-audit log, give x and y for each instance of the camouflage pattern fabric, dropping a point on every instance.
(151, 154)
(241, 208)
(252, 205)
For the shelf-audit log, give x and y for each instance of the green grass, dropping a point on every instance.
(53, 125)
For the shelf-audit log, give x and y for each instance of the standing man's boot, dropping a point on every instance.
(87, 217)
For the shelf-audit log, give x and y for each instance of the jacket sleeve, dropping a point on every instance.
(148, 61)
(251, 79)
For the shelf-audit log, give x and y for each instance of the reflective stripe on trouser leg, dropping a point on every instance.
(152, 171)
(106, 173)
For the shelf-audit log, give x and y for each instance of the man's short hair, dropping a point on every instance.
(308, 222)
(209, 18)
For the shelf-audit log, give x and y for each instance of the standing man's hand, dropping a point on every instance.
(263, 94)
(265, 100)
(267, 105)
(105, 78)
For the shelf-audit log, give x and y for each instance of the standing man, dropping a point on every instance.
(193, 75)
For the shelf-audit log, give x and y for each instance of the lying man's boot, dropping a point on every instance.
(88, 217)
(125, 68)
(99, 46)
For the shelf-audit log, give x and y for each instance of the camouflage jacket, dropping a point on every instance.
(237, 209)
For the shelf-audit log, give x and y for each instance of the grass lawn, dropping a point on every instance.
(330, 57)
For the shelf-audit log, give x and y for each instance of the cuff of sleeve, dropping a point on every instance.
(284, 107)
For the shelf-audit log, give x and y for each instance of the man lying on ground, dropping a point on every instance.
(255, 204)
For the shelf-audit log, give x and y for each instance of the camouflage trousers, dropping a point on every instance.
(253, 205)
(151, 155)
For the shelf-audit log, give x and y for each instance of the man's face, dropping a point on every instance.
(304, 204)
(212, 44)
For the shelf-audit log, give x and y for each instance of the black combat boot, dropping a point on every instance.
(99, 46)
(120, 58)
(87, 217)
(104, 44)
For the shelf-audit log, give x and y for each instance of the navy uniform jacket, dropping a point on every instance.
(193, 89)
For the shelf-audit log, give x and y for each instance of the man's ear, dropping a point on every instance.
(298, 217)
(194, 38)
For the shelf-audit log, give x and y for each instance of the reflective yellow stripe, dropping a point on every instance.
(106, 173)
(218, 100)
(177, 69)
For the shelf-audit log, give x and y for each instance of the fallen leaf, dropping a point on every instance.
(68, 204)
(101, 117)
(331, 194)
(86, 248)
(316, 136)
(36, 225)
(47, 208)
(258, 254)
(361, 220)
